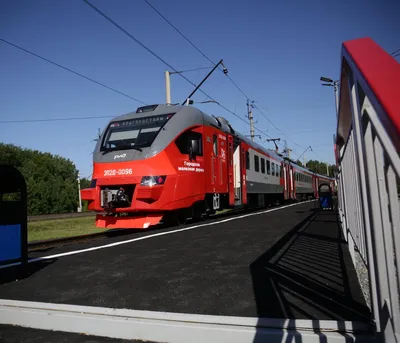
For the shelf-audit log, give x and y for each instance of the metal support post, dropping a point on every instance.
(335, 88)
(79, 194)
(167, 88)
(250, 116)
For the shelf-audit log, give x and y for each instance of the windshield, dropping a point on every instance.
(129, 134)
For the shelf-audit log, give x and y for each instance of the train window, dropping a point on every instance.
(247, 160)
(268, 167)
(277, 169)
(256, 163)
(127, 134)
(262, 165)
(281, 173)
(215, 144)
(183, 142)
(273, 168)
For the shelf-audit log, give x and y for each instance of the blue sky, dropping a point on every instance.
(276, 51)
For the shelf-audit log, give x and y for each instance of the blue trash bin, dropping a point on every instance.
(13, 216)
(325, 197)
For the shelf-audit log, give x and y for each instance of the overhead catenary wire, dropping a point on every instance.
(139, 42)
(163, 61)
(194, 46)
(277, 127)
(71, 71)
(211, 61)
(52, 119)
(395, 52)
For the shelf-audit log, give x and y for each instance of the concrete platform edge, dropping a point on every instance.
(174, 327)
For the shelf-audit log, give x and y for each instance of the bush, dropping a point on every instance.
(51, 180)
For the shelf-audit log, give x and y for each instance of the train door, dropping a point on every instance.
(214, 162)
(223, 163)
(291, 183)
(244, 163)
(237, 174)
(231, 172)
(219, 164)
(285, 186)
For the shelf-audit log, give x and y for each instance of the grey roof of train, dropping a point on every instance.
(209, 119)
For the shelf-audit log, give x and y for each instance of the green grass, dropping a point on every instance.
(60, 228)
(223, 211)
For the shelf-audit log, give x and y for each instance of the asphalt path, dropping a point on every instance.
(288, 263)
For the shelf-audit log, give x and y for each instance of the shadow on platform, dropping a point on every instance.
(20, 272)
(309, 273)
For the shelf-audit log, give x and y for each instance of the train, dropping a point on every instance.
(167, 162)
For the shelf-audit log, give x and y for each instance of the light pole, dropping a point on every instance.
(79, 193)
(334, 84)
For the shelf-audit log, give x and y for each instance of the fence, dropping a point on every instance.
(368, 146)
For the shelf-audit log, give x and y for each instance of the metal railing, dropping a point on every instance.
(368, 146)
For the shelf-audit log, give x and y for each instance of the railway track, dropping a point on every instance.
(52, 243)
(60, 216)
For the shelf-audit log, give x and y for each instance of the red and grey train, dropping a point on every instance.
(176, 161)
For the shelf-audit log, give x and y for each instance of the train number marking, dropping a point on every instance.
(113, 172)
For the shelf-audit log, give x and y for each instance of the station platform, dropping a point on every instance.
(14, 334)
(287, 263)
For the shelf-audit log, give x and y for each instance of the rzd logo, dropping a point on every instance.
(119, 156)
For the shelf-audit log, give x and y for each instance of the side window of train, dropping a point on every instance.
(256, 163)
(247, 160)
(183, 142)
(273, 169)
(268, 167)
(281, 174)
(262, 165)
(215, 144)
(277, 169)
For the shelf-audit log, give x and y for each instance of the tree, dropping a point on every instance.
(85, 183)
(320, 167)
(51, 180)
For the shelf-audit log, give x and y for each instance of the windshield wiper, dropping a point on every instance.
(124, 147)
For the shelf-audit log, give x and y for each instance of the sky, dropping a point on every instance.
(275, 50)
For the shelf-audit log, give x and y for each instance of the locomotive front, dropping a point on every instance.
(134, 174)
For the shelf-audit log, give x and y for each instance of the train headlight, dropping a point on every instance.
(153, 180)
